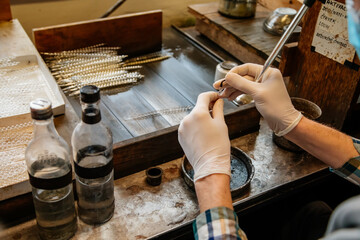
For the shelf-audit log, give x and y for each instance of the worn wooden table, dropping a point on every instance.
(143, 211)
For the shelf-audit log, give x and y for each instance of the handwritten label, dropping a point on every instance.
(331, 35)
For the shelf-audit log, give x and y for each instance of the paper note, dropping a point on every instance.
(331, 36)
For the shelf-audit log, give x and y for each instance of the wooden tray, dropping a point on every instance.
(15, 43)
(139, 144)
(20, 84)
(22, 81)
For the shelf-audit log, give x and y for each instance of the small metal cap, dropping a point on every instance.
(41, 109)
(154, 175)
(89, 94)
(279, 18)
(228, 65)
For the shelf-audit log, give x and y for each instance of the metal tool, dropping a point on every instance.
(244, 98)
(113, 8)
(166, 111)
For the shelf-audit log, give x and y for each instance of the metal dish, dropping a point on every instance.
(237, 8)
(278, 20)
(309, 110)
(242, 172)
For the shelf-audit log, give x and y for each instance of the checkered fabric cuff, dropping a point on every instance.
(218, 223)
(356, 144)
(351, 169)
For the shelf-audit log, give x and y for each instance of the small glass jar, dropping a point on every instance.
(237, 8)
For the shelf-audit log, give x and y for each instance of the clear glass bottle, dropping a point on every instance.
(48, 161)
(93, 161)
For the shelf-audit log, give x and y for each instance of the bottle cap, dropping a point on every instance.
(228, 65)
(41, 109)
(153, 176)
(90, 94)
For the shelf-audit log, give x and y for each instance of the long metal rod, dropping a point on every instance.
(113, 8)
(283, 39)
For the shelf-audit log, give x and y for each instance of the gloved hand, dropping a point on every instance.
(271, 97)
(204, 137)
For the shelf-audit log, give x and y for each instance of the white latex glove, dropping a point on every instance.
(204, 137)
(271, 97)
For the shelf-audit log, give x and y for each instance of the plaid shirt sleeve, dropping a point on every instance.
(218, 223)
(351, 169)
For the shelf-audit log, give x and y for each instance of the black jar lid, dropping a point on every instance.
(154, 175)
(41, 109)
(90, 94)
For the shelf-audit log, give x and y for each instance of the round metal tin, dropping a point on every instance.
(242, 172)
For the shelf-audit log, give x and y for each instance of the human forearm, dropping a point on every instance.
(329, 145)
(213, 191)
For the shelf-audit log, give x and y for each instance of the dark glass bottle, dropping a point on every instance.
(48, 161)
(93, 161)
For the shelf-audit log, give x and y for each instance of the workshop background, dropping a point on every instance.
(42, 13)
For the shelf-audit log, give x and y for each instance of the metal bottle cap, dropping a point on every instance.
(90, 94)
(41, 109)
(228, 65)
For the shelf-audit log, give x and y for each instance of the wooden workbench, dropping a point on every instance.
(143, 211)
(160, 212)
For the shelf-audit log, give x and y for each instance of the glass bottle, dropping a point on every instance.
(93, 161)
(48, 161)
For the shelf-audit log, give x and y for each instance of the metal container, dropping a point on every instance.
(237, 8)
(242, 172)
(309, 110)
(278, 20)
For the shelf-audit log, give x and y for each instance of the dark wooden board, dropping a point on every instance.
(243, 121)
(5, 11)
(127, 105)
(250, 32)
(148, 150)
(197, 62)
(152, 149)
(161, 96)
(181, 79)
(243, 38)
(144, 30)
(317, 78)
(119, 132)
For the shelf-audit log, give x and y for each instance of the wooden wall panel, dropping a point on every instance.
(136, 33)
(5, 12)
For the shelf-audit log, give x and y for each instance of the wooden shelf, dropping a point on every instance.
(245, 38)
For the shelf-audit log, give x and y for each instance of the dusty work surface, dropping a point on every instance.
(142, 211)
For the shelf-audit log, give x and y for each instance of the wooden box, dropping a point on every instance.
(24, 77)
